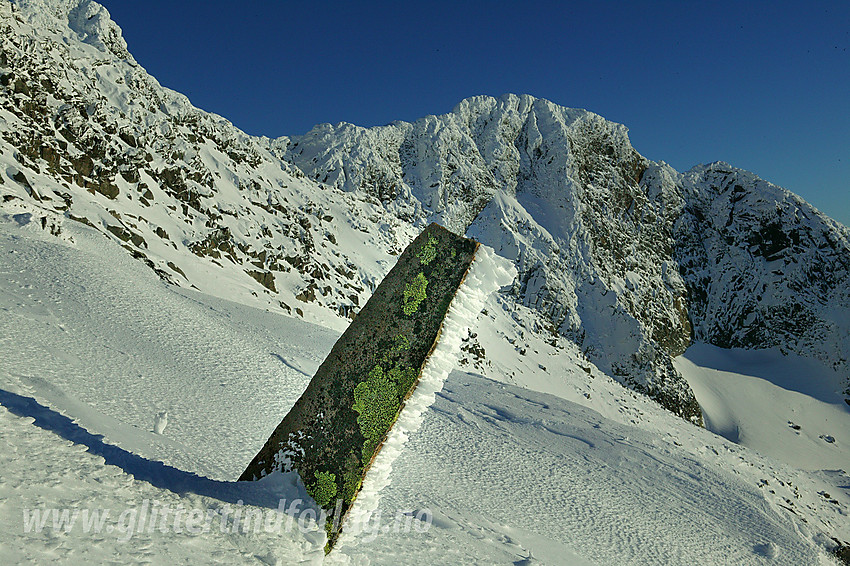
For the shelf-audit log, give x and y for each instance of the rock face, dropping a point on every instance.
(336, 428)
(628, 258)
(763, 268)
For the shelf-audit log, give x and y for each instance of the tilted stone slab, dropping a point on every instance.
(336, 428)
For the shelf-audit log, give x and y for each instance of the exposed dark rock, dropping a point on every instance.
(127, 236)
(308, 295)
(333, 432)
(264, 278)
(177, 269)
(20, 86)
(599, 234)
(21, 179)
(82, 165)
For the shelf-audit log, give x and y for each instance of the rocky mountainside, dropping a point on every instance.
(763, 268)
(86, 132)
(627, 258)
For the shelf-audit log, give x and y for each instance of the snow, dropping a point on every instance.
(506, 475)
(785, 406)
(117, 346)
(510, 472)
(43, 470)
(269, 208)
(599, 234)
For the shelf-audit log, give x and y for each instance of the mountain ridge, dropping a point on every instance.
(614, 251)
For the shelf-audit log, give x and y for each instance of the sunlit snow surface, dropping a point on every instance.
(86, 325)
(784, 406)
(509, 475)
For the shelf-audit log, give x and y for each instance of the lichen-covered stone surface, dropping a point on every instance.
(336, 428)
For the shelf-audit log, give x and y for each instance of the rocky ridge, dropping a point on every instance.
(86, 132)
(629, 258)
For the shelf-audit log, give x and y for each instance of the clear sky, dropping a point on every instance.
(762, 85)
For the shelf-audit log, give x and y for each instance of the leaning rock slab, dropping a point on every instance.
(385, 368)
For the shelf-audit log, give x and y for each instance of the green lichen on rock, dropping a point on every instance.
(377, 402)
(352, 480)
(403, 378)
(428, 252)
(414, 294)
(329, 529)
(324, 489)
(400, 344)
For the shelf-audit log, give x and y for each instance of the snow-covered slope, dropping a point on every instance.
(166, 351)
(764, 269)
(782, 405)
(550, 482)
(496, 474)
(554, 189)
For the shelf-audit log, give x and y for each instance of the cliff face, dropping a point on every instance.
(626, 257)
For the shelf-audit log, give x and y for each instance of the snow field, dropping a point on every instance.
(505, 474)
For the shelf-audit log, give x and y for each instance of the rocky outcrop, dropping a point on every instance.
(629, 258)
(762, 267)
(337, 427)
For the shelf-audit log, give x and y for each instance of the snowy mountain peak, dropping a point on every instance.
(625, 258)
(89, 20)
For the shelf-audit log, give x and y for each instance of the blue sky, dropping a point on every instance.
(762, 85)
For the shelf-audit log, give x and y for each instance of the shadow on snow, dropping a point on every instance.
(158, 474)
